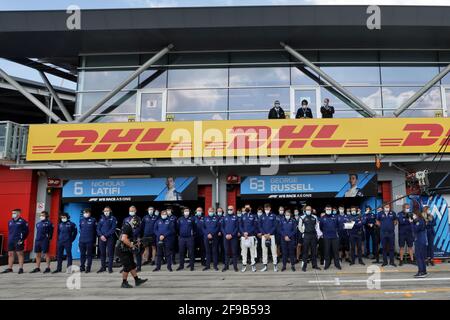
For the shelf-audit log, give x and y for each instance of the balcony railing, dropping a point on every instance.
(13, 140)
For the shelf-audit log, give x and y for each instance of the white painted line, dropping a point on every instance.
(337, 281)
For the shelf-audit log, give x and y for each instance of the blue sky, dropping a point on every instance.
(25, 72)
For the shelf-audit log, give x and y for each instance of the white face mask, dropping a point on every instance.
(150, 211)
(219, 213)
(406, 210)
(386, 210)
(328, 211)
(287, 217)
(353, 213)
(42, 218)
(267, 211)
(64, 219)
(164, 216)
(230, 211)
(414, 217)
(308, 213)
(281, 211)
(296, 213)
(132, 213)
(186, 214)
(106, 213)
(259, 213)
(14, 215)
(210, 213)
(86, 215)
(156, 213)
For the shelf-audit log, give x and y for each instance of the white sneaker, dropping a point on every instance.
(244, 268)
(264, 269)
(275, 268)
(253, 268)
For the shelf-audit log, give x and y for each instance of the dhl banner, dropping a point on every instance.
(139, 140)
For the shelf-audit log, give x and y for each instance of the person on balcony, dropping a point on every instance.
(277, 112)
(326, 110)
(304, 112)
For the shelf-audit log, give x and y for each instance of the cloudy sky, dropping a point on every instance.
(21, 71)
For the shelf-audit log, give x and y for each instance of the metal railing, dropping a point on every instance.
(13, 140)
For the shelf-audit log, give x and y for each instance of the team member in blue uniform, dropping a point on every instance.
(17, 234)
(249, 229)
(163, 231)
(377, 238)
(173, 238)
(67, 233)
(387, 220)
(298, 250)
(88, 231)
(149, 240)
(137, 234)
(199, 244)
(230, 229)
(344, 239)
(329, 225)
(356, 235)
(420, 243)
(186, 232)
(259, 213)
(44, 234)
(370, 221)
(268, 227)
(211, 228)
(430, 224)
(405, 234)
(221, 248)
(279, 218)
(288, 231)
(310, 229)
(106, 229)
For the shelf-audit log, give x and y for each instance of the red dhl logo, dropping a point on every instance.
(242, 137)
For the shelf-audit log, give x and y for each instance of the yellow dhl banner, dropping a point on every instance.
(139, 140)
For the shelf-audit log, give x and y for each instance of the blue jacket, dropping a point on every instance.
(164, 227)
(404, 226)
(137, 232)
(419, 231)
(329, 226)
(268, 223)
(17, 230)
(288, 228)
(198, 226)
(343, 233)
(370, 218)
(148, 225)
(249, 224)
(211, 226)
(88, 230)
(387, 222)
(106, 226)
(357, 229)
(230, 225)
(67, 232)
(186, 227)
(430, 227)
(44, 230)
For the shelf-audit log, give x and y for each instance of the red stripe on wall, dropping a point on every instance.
(55, 205)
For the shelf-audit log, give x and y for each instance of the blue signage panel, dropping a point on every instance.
(151, 189)
(310, 186)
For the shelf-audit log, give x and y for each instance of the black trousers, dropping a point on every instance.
(310, 243)
(331, 248)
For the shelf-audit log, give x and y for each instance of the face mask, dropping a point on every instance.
(287, 217)
(296, 213)
(186, 214)
(341, 211)
(239, 214)
(164, 216)
(281, 211)
(407, 210)
(230, 211)
(211, 213)
(386, 210)
(132, 213)
(260, 213)
(150, 211)
(328, 211)
(156, 213)
(14, 215)
(42, 218)
(169, 212)
(86, 215)
(367, 211)
(219, 213)
(353, 213)
(334, 212)
(64, 219)
(106, 213)
(267, 211)
(308, 213)
(414, 217)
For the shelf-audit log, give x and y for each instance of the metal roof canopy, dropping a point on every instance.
(44, 35)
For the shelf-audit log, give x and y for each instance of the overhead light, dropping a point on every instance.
(131, 176)
(302, 173)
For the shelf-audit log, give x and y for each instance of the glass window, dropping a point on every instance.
(413, 56)
(164, 60)
(117, 118)
(197, 116)
(414, 113)
(198, 78)
(348, 56)
(153, 79)
(261, 99)
(247, 115)
(445, 80)
(354, 75)
(371, 96)
(258, 56)
(105, 80)
(299, 77)
(263, 76)
(394, 97)
(198, 58)
(151, 106)
(211, 100)
(123, 102)
(112, 60)
(407, 75)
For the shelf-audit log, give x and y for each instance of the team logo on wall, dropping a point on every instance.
(151, 189)
(310, 186)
